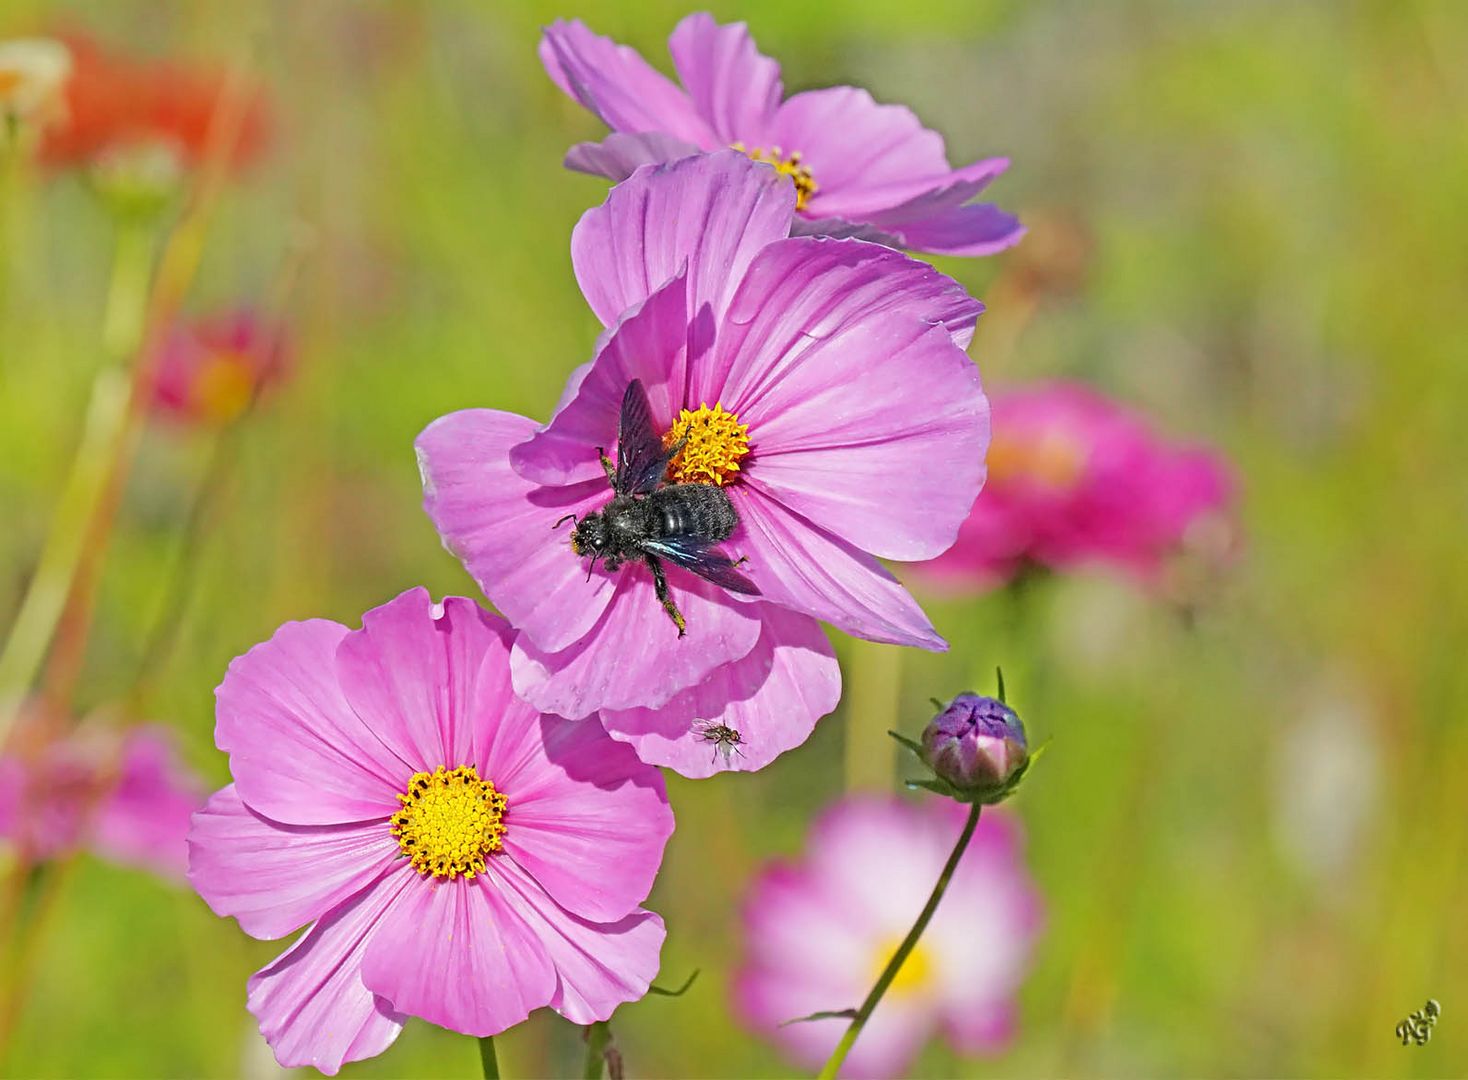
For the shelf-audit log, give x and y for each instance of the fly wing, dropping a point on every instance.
(704, 559)
(641, 460)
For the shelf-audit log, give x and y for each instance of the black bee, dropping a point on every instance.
(726, 740)
(649, 521)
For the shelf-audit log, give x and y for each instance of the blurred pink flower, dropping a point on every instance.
(858, 425)
(459, 856)
(859, 168)
(210, 370)
(819, 931)
(125, 796)
(1076, 479)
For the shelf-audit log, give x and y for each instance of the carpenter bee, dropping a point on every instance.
(649, 521)
(726, 740)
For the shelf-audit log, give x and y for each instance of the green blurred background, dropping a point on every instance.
(1249, 219)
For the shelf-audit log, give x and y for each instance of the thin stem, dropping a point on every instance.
(909, 943)
(598, 1038)
(46, 596)
(488, 1059)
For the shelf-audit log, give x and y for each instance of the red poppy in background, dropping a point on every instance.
(117, 101)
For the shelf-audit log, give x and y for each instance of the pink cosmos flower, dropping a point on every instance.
(1075, 478)
(859, 168)
(821, 383)
(819, 931)
(458, 856)
(209, 371)
(123, 795)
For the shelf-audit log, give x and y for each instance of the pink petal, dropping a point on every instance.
(650, 343)
(891, 457)
(500, 525)
(412, 675)
(772, 697)
(853, 144)
(620, 154)
(275, 878)
(617, 84)
(803, 567)
(144, 820)
(733, 86)
(812, 299)
(979, 1027)
(919, 197)
(588, 820)
(298, 752)
(977, 229)
(711, 214)
(634, 656)
(311, 1003)
(453, 953)
(598, 966)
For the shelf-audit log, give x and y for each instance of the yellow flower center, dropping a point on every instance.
(223, 386)
(914, 975)
(1052, 460)
(800, 175)
(712, 440)
(450, 821)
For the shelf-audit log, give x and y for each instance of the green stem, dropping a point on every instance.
(909, 943)
(45, 598)
(598, 1038)
(488, 1059)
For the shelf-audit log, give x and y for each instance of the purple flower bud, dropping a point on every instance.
(977, 745)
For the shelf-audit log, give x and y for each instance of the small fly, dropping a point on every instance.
(726, 740)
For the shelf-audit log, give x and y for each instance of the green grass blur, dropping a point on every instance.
(1247, 218)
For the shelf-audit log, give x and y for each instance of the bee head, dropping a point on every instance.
(590, 535)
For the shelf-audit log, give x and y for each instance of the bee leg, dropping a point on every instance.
(660, 587)
(607, 466)
(562, 521)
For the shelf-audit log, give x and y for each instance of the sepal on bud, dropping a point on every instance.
(975, 747)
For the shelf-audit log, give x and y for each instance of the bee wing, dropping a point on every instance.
(703, 558)
(641, 459)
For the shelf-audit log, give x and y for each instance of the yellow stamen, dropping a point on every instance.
(713, 442)
(223, 386)
(915, 974)
(1052, 460)
(450, 822)
(800, 175)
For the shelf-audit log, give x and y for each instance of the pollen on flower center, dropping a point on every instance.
(916, 971)
(224, 385)
(1052, 460)
(450, 822)
(791, 166)
(712, 441)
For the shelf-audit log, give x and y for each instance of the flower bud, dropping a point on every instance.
(976, 745)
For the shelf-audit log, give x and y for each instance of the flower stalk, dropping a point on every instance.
(894, 965)
(488, 1060)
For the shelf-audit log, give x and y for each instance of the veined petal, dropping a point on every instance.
(977, 229)
(454, 953)
(275, 878)
(312, 1006)
(298, 752)
(851, 144)
(733, 87)
(589, 820)
(801, 566)
(621, 153)
(712, 214)
(598, 965)
(649, 343)
(618, 85)
(410, 674)
(633, 656)
(773, 698)
(920, 197)
(501, 525)
(889, 457)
